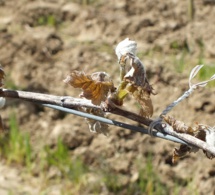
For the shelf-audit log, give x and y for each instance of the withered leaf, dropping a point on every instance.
(2, 75)
(202, 132)
(179, 153)
(96, 126)
(208, 154)
(95, 87)
(138, 85)
(182, 151)
(206, 133)
(137, 74)
(143, 98)
(179, 126)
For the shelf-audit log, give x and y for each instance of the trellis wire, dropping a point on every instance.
(115, 123)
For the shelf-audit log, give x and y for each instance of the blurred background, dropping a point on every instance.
(44, 151)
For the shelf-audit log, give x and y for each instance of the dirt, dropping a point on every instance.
(42, 41)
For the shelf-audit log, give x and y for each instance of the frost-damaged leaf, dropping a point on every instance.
(143, 98)
(208, 135)
(136, 74)
(178, 126)
(133, 78)
(182, 152)
(95, 87)
(139, 85)
(2, 75)
(202, 132)
(96, 126)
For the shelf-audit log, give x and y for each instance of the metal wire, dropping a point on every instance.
(116, 123)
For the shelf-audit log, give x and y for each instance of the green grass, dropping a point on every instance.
(59, 157)
(49, 20)
(15, 149)
(208, 70)
(149, 182)
(180, 64)
(10, 84)
(184, 62)
(112, 181)
(15, 146)
(205, 73)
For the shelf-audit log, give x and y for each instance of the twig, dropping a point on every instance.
(56, 102)
(70, 102)
(75, 103)
(67, 101)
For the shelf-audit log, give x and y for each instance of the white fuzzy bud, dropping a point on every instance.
(126, 46)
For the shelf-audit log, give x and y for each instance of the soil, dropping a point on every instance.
(42, 41)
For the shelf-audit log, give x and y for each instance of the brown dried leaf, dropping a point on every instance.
(96, 126)
(179, 153)
(144, 100)
(138, 85)
(137, 75)
(95, 87)
(206, 133)
(200, 131)
(2, 75)
(208, 154)
(179, 126)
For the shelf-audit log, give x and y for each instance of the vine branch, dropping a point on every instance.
(58, 102)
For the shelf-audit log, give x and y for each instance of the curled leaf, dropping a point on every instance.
(139, 86)
(181, 152)
(178, 126)
(96, 126)
(135, 82)
(202, 132)
(143, 98)
(137, 75)
(208, 137)
(133, 78)
(95, 87)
